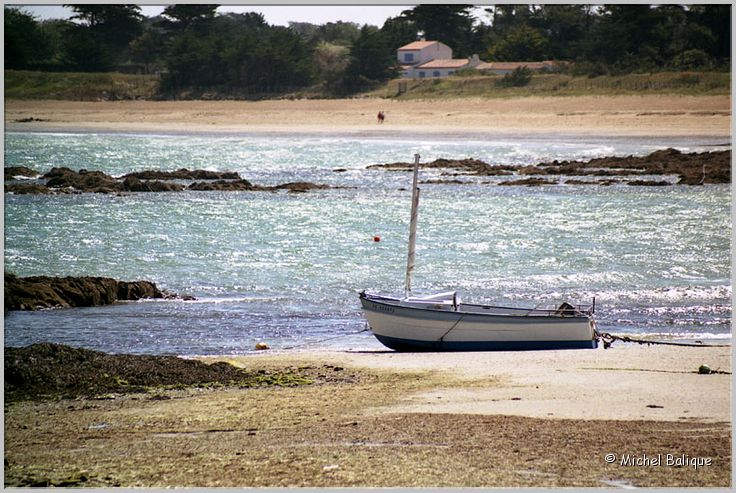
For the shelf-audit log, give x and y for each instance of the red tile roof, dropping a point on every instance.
(445, 63)
(514, 65)
(417, 45)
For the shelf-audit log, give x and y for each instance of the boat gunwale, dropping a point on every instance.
(541, 314)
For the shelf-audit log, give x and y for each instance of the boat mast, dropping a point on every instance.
(412, 227)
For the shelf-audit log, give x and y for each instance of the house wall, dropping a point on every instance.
(435, 51)
(431, 52)
(430, 73)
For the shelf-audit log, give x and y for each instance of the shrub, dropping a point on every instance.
(520, 77)
(693, 59)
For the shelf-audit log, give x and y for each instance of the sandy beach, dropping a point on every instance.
(626, 416)
(612, 116)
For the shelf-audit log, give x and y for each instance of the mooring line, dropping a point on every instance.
(366, 329)
(608, 339)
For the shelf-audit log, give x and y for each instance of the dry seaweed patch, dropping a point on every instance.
(43, 371)
(329, 435)
(184, 437)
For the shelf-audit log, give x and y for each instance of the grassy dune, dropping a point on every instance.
(78, 86)
(686, 83)
(115, 86)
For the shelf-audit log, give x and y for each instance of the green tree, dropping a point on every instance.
(399, 31)
(239, 53)
(563, 26)
(181, 16)
(101, 35)
(521, 43)
(148, 49)
(506, 17)
(717, 19)
(371, 61)
(330, 62)
(25, 41)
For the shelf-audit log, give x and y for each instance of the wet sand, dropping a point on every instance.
(586, 115)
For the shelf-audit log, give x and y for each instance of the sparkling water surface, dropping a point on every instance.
(287, 268)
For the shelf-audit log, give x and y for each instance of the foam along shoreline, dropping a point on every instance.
(643, 116)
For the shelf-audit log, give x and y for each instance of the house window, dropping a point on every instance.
(408, 57)
(436, 73)
(450, 72)
(422, 75)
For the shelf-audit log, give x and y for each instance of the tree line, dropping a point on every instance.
(194, 46)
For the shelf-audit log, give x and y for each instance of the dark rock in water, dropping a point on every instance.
(66, 180)
(132, 184)
(695, 168)
(532, 170)
(183, 174)
(443, 182)
(23, 188)
(529, 182)
(83, 180)
(467, 166)
(224, 185)
(300, 187)
(36, 292)
(12, 171)
(649, 183)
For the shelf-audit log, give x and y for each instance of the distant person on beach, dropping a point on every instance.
(381, 117)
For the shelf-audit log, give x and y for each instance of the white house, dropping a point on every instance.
(422, 51)
(422, 59)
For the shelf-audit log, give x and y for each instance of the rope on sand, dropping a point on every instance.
(608, 339)
(309, 343)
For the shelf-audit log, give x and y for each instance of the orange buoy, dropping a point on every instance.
(376, 238)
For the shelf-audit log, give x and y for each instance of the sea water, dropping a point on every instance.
(287, 268)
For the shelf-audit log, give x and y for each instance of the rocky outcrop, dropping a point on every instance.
(529, 182)
(465, 166)
(132, 184)
(695, 168)
(82, 180)
(66, 180)
(224, 185)
(649, 183)
(11, 172)
(25, 188)
(300, 187)
(183, 174)
(37, 292)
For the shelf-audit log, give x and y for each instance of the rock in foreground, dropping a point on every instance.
(37, 292)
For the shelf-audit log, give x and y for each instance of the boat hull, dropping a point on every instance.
(406, 328)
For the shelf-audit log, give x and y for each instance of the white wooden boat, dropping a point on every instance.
(441, 322)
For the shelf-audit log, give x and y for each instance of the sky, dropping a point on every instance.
(274, 14)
